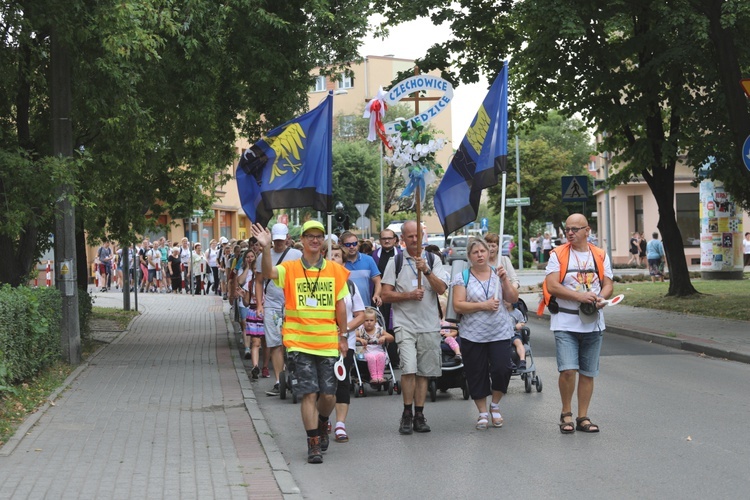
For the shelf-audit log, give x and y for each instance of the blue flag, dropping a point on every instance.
(480, 158)
(291, 167)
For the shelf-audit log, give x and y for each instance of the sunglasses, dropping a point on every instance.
(351, 244)
(574, 230)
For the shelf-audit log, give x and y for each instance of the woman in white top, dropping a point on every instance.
(355, 316)
(746, 248)
(486, 330)
(199, 269)
(495, 260)
(546, 246)
(212, 259)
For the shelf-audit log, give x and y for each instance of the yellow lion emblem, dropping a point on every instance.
(478, 130)
(288, 147)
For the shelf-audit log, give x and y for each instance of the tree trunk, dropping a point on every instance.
(661, 182)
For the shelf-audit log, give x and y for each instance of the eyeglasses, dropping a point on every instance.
(351, 244)
(319, 237)
(574, 230)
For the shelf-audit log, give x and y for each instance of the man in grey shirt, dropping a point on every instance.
(270, 300)
(416, 323)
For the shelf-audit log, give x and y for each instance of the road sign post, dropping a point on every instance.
(575, 188)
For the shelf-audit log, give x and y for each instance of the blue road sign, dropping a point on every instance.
(485, 223)
(575, 188)
(746, 152)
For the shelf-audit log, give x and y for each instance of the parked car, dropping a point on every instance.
(457, 249)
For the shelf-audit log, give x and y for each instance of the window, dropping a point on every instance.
(638, 213)
(346, 126)
(346, 82)
(320, 84)
(688, 218)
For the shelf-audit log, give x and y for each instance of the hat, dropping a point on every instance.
(279, 231)
(333, 238)
(312, 224)
(223, 240)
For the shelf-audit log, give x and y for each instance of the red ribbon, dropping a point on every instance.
(375, 106)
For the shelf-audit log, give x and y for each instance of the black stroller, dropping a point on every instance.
(452, 373)
(529, 375)
(286, 379)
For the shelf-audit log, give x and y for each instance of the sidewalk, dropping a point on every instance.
(720, 338)
(164, 411)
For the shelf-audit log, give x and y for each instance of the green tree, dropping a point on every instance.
(659, 78)
(161, 90)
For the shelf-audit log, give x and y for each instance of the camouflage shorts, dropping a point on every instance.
(313, 374)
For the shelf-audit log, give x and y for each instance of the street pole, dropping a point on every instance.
(65, 242)
(518, 195)
(608, 220)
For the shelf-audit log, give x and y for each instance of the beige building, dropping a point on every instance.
(633, 208)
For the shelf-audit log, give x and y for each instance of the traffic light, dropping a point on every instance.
(341, 219)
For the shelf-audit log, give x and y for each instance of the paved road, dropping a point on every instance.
(673, 425)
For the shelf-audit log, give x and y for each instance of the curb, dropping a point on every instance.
(675, 343)
(279, 467)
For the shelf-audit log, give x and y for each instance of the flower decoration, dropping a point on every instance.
(414, 150)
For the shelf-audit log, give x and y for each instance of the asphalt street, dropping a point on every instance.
(673, 426)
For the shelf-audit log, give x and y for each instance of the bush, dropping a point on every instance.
(528, 259)
(30, 321)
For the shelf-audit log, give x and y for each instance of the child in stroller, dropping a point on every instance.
(371, 356)
(523, 357)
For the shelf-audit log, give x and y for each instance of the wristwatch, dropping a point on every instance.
(427, 272)
(344, 335)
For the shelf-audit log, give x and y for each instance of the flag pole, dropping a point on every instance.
(418, 198)
(502, 226)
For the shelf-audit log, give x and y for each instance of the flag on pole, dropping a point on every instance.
(291, 167)
(480, 158)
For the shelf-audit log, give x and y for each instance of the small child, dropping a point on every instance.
(450, 335)
(516, 341)
(373, 339)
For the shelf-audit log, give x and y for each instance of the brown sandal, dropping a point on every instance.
(566, 427)
(586, 427)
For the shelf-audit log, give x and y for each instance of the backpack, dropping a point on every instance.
(563, 256)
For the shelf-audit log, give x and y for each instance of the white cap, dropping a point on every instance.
(223, 240)
(333, 238)
(279, 231)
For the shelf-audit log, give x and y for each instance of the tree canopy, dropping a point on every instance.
(659, 78)
(161, 88)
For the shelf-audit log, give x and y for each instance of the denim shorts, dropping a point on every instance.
(578, 351)
(313, 374)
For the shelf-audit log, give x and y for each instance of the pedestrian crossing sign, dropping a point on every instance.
(575, 188)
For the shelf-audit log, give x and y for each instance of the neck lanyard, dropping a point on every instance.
(485, 290)
(412, 267)
(314, 286)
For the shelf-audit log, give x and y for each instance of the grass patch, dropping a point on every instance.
(30, 395)
(720, 299)
(122, 318)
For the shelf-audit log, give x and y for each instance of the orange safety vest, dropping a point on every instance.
(310, 306)
(563, 256)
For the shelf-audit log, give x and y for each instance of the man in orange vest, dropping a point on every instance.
(314, 330)
(579, 278)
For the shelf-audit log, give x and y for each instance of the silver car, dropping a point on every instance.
(457, 248)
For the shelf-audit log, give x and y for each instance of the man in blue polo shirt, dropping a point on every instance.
(362, 268)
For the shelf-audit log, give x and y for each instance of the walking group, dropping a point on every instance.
(312, 308)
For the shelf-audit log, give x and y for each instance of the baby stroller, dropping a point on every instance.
(363, 373)
(287, 381)
(452, 373)
(528, 375)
